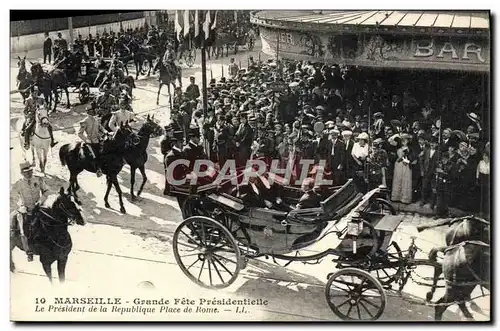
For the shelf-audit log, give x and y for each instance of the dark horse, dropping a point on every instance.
(136, 154)
(168, 77)
(24, 79)
(110, 158)
(50, 82)
(49, 234)
(142, 54)
(465, 264)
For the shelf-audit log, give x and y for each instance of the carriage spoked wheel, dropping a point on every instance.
(84, 93)
(353, 294)
(206, 252)
(386, 266)
(146, 65)
(190, 57)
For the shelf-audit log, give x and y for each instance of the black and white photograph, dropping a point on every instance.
(215, 165)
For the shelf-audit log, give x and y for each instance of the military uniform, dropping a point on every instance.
(105, 104)
(193, 92)
(32, 192)
(90, 132)
(32, 103)
(180, 171)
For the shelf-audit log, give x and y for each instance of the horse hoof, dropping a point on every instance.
(122, 210)
(12, 267)
(133, 197)
(107, 205)
(428, 297)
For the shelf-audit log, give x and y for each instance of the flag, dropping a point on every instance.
(206, 25)
(186, 23)
(215, 21)
(178, 27)
(196, 24)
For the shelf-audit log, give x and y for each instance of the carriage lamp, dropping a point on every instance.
(354, 229)
(83, 69)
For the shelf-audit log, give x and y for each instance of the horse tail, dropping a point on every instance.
(63, 151)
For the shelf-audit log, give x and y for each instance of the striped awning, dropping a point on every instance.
(426, 19)
(404, 21)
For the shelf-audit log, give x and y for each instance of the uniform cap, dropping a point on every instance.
(25, 166)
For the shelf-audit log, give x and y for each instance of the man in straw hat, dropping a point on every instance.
(32, 192)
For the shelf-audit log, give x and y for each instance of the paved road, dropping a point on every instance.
(115, 252)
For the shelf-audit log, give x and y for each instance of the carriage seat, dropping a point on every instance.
(228, 201)
(343, 200)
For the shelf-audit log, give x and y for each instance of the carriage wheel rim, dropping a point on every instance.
(356, 297)
(207, 258)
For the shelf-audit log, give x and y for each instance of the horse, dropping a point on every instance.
(49, 236)
(165, 78)
(110, 158)
(466, 260)
(48, 83)
(136, 155)
(142, 53)
(24, 79)
(40, 140)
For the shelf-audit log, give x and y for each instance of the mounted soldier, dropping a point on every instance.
(32, 103)
(168, 60)
(106, 104)
(121, 116)
(32, 193)
(115, 70)
(91, 132)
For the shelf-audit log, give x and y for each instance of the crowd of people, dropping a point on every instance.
(406, 132)
(104, 45)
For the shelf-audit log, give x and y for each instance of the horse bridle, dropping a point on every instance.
(66, 213)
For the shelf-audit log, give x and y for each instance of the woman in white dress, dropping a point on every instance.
(359, 154)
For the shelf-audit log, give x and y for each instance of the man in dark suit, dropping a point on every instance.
(336, 156)
(310, 199)
(428, 164)
(348, 160)
(447, 140)
(176, 153)
(243, 138)
(193, 151)
(47, 48)
(419, 148)
(192, 91)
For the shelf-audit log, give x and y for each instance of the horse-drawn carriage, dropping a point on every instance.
(221, 233)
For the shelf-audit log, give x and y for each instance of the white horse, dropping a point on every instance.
(40, 140)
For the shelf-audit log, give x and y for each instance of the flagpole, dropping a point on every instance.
(204, 89)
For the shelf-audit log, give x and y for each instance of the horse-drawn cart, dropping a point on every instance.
(220, 233)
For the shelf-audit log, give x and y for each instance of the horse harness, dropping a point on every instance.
(61, 224)
(462, 257)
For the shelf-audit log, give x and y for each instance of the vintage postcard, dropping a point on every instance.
(236, 165)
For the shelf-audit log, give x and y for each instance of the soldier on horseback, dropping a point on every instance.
(168, 61)
(32, 103)
(123, 115)
(32, 192)
(91, 132)
(106, 104)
